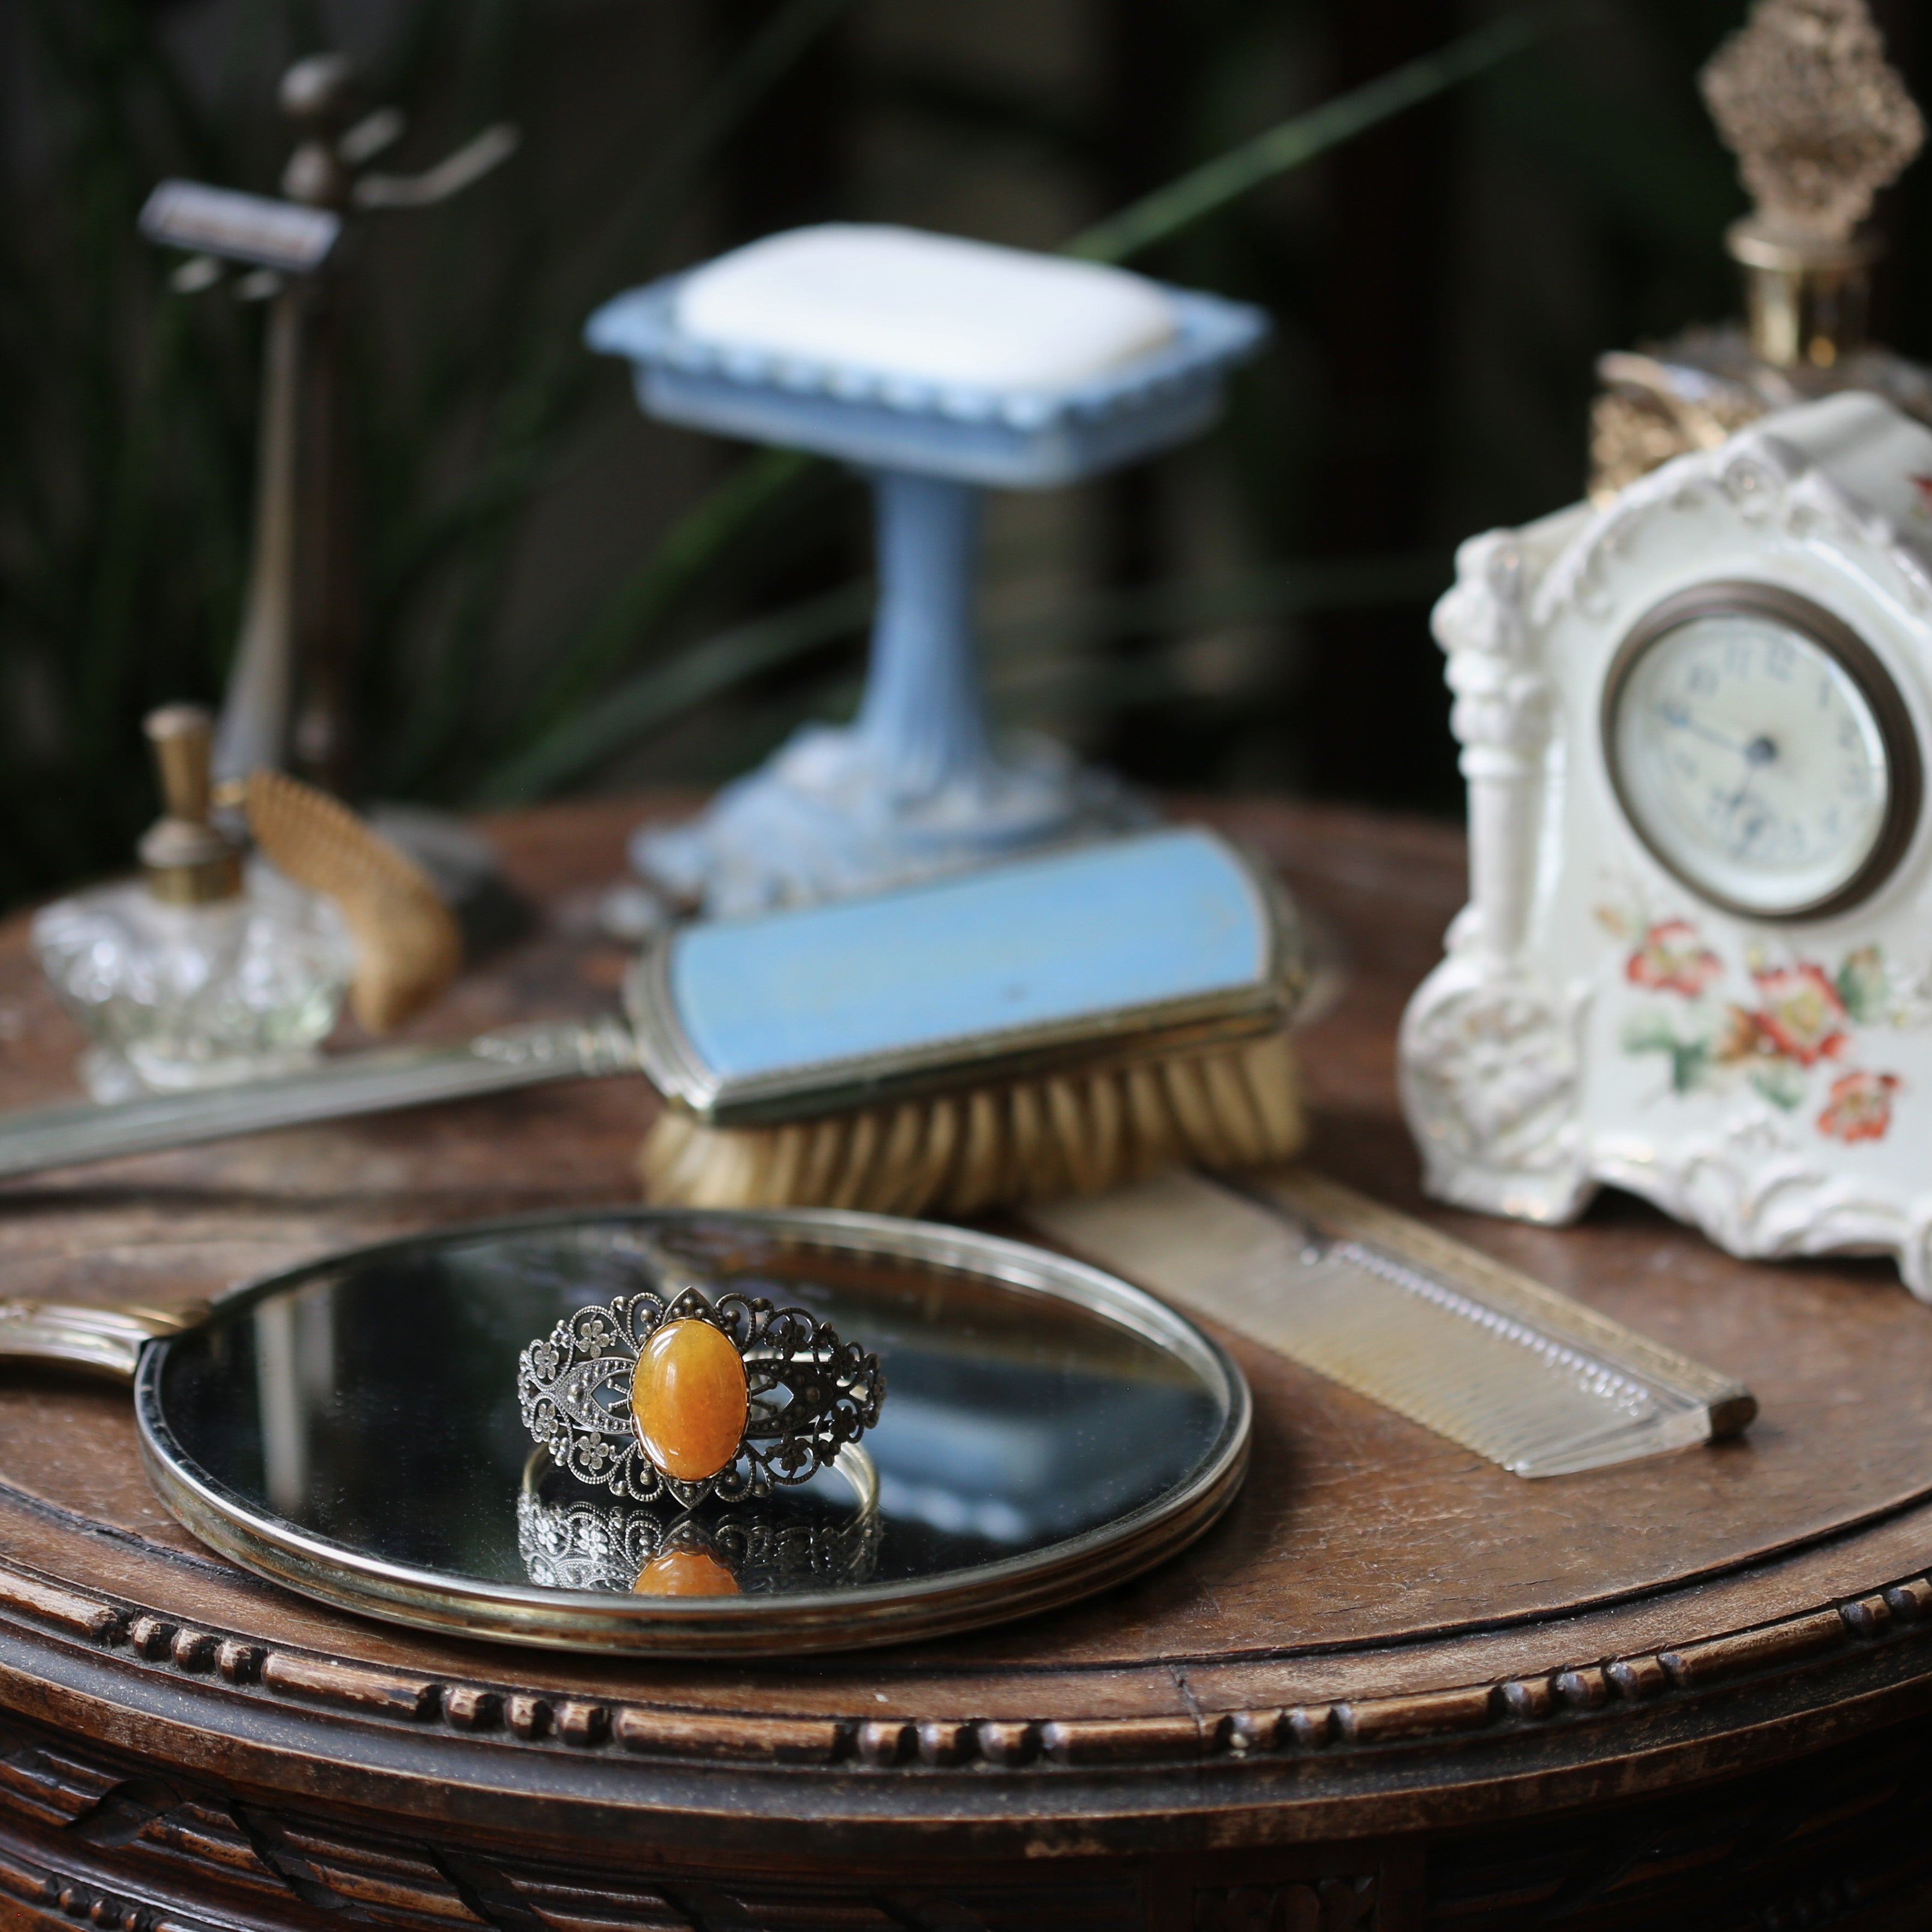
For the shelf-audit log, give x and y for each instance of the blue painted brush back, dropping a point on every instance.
(1085, 932)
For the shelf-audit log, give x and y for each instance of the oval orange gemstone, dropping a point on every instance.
(689, 1400)
(684, 1572)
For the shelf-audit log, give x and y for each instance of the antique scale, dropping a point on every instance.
(1697, 959)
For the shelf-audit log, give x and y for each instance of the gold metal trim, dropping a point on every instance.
(96, 1341)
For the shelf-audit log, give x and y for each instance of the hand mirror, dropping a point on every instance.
(351, 1428)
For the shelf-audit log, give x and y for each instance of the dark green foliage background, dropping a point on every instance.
(1426, 383)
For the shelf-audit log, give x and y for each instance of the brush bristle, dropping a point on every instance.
(408, 948)
(966, 1153)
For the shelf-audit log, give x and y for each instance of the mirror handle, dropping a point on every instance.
(99, 1341)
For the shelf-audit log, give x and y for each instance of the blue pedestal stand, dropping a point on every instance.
(914, 786)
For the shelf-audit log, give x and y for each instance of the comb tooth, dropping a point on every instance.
(1375, 1351)
(1534, 1368)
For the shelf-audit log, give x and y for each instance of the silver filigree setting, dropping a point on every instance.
(579, 1544)
(810, 1394)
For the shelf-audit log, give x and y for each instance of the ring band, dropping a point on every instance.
(675, 1394)
(574, 1543)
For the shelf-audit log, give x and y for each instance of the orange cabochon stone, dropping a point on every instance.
(689, 1400)
(686, 1572)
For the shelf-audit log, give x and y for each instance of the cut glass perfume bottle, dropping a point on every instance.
(201, 972)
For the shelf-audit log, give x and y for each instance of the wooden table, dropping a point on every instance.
(1396, 1687)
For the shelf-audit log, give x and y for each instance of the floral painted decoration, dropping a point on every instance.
(1860, 1106)
(1802, 1013)
(1670, 958)
(1798, 1024)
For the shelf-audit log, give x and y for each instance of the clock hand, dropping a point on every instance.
(1759, 752)
(1678, 717)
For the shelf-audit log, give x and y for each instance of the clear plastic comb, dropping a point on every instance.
(1386, 1306)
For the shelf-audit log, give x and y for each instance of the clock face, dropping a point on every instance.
(1761, 751)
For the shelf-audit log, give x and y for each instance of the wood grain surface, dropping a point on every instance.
(1339, 1709)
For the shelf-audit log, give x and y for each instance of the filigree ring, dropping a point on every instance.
(679, 1395)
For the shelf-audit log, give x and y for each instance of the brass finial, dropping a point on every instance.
(1803, 95)
(186, 860)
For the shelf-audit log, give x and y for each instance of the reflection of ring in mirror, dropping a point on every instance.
(674, 1394)
(572, 1543)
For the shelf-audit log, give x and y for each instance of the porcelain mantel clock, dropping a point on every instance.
(1697, 962)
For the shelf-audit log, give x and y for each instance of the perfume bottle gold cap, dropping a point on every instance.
(187, 859)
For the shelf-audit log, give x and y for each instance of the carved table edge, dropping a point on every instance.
(1599, 1689)
(115, 1911)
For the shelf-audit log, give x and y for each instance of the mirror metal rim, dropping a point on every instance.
(861, 1616)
